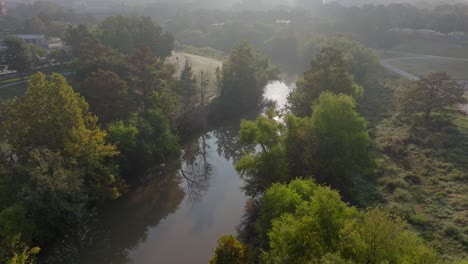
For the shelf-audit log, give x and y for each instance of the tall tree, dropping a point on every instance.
(433, 93)
(328, 72)
(266, 165)
(341, 151)
(244, 77)
(51, 115)
(17, 56)
(76, 36)
(186, 87)
(203, 86)
(107, 95)
(129, 33)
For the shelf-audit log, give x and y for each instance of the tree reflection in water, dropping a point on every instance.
(123, 225)
(195, 170)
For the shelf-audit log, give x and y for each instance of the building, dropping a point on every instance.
(3, 9)
(34, 39)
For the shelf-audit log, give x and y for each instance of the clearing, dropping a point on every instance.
(434, 46)
(456, 68)
(199, 64)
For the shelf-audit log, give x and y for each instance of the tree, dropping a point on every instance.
(311, 224)
(15, 251)
(76, 36)
(150, 75)
(341, 151)
(280, 199)
(54, 193)
(203, 86)
(328, 73)
(17, 56)
(433, 93)
(376, 236)
(186, 87)
(107, 95)
(51, 115)
(231, 251)
(60, 56)
(129, 33)
(244, 77)
(310, 232)
(264, 166)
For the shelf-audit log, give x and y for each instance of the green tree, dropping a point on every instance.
(75, 36)
(129, 33)
(376, 236)
(341, 151)
(186, 87)
(264, 166)
(310, 232)
(60, 56)
(54, 193)
(230, 251)
(280, 199)
(433, 93)
(17, 55)
(313, 225)
(328, 72)
(203, 86)
(107, 95)
(15, 251)
(51, 115)
(244, 77)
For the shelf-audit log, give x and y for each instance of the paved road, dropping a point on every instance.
(411, 56)
(386, 63)
(407, 75)
(25, 81)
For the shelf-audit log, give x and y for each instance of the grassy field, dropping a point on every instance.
(437, 47)
(457, 69)
(13, 91)
(199, 63)
(422, 171)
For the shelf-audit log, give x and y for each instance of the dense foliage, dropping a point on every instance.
(302, 222)
(243, 79)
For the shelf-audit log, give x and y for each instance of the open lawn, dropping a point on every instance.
(198, 63)
(457, 69)
(13, 91)
(436, 47)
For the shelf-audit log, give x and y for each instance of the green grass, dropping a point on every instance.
(423, 178)
(422, 171)
(13, 91)
(457, 69)
(10, 81)
(437, 47)
(199, 63)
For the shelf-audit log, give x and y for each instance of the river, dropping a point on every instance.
(177, 218)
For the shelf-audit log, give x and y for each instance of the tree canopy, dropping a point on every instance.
(433, 93)
(243, 79)
(328, 72)
(129, 33)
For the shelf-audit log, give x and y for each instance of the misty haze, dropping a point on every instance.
(233, 131)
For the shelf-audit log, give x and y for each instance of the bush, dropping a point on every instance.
(402, 195)
(453, 232)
